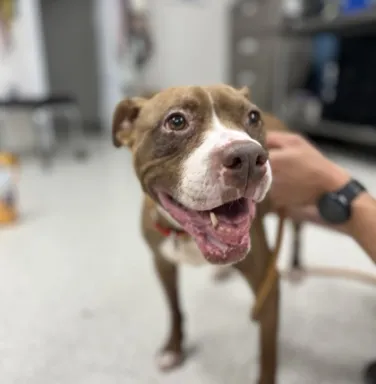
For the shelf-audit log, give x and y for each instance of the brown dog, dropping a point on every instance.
(200, 156)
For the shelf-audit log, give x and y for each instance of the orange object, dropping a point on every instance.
(8, 188)
(7, 14)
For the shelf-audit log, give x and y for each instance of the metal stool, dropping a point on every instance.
(40, 110)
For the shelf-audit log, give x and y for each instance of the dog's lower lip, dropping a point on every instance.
(221, 254)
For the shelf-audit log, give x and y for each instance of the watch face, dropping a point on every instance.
(334, 208)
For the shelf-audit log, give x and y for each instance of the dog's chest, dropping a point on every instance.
(182, 251)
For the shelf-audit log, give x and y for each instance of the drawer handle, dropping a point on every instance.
(248, 46)
(249, 9)
(245, 78)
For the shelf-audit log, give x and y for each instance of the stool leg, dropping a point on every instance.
(44, 134)
(76, 132)
(296, 267)
(296, 262)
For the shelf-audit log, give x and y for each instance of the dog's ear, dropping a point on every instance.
(245, 92)
(125, 114)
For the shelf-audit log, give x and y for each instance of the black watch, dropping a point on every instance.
(335, 207)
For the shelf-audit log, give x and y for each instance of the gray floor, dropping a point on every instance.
(80, 303)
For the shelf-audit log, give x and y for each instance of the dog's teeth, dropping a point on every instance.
(214, 219)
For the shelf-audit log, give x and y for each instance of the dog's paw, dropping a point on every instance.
(222, 273)
(168, 360)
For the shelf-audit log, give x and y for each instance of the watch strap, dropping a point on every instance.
(350, 191)
(336, 207)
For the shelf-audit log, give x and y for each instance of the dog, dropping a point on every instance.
(200, 156)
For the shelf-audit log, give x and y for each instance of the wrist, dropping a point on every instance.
(333, 179)
(361, 203)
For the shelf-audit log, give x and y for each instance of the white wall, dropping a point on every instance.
(107, 23)
(24, 70)
(5, 74)
(24, 67)
(191, 40)
(107, 20)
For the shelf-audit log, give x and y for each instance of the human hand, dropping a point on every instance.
(301, 174)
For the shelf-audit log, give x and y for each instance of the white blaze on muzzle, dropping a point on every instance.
(202, 187)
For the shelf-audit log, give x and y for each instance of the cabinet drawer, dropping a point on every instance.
(253, 14)
(250, 51)
(259, 84)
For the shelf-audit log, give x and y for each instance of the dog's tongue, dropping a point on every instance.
(226, 243)
(225, 237)
(227, 232)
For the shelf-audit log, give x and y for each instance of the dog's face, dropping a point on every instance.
(199, 152)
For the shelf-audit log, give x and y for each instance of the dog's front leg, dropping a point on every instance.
(171, 355)
(254, 268)
(269, 318)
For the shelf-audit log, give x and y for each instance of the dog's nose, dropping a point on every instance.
(244, 161)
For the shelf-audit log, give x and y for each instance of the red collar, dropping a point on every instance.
(168, 231)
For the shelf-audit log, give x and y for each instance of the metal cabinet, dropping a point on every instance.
(256, 47)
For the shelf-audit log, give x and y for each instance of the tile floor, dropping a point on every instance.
(80, 304)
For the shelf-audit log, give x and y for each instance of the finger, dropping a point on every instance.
(277, 196)
(278, 156)
(275, 140)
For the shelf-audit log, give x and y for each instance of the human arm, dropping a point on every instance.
(302, 174)
(361, 226)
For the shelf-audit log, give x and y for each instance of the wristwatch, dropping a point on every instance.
(335, 207)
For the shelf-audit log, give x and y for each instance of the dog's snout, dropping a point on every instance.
(239, 155)
(244, 160)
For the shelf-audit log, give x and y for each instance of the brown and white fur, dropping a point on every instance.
(181, 163)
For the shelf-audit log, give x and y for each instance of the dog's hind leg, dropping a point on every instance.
(254, 269)
(171, 355)
(295, 272)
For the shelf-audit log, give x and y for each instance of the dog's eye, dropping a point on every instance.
(177, 122)
(254, 117)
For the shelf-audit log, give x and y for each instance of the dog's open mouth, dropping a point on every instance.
(222, 234)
